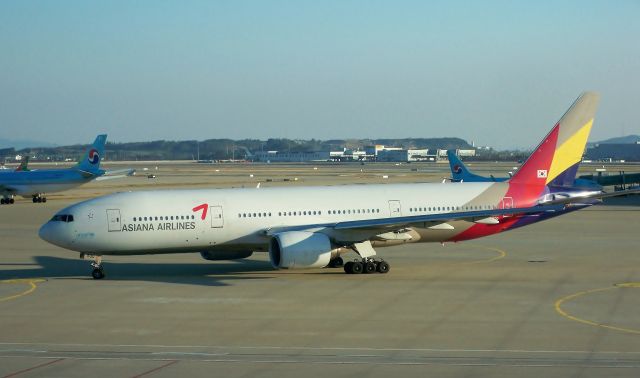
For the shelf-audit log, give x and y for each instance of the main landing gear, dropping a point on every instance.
(6, 200)
(367, 265)
(98, 271)
(38, 198)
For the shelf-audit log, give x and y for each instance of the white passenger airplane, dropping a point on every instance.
(310, 227)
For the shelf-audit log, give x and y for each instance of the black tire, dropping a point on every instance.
(97, 273)
(11, 200)
(34, 199)
(1, 201)
(44, 199)
(369, 267)
(348, 266)
(357, 267)
(383, 267)
(337, 262)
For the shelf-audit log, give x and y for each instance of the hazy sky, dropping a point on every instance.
(500, 73)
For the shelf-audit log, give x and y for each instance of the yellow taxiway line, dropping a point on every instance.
(32, 282)
(559, 302)
(501, 254)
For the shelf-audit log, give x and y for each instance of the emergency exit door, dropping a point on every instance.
(113, 220)
(394, 208)
(217, 219)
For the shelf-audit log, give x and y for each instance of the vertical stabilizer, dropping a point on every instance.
(90, 162)
(555, 161)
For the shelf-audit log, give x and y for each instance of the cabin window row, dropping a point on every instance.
(355, 211)
(163, 218)
(450, 208)
(308, 212)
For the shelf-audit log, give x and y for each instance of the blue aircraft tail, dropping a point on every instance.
(459, 171)
(90, 162)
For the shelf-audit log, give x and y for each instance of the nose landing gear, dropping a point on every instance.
(39, 198)
(98, 271)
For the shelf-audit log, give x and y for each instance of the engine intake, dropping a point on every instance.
(299, 250)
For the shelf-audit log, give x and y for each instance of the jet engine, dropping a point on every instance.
(300, 250)
(225, 255)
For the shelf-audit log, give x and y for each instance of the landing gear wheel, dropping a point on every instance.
(336, 263)
(348, 267)
(369, 267)
(383, 267)
(357, 267)
(97, 273)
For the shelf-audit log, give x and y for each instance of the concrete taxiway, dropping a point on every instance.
(559, 298)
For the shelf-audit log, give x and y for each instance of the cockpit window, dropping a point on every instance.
(62, 218)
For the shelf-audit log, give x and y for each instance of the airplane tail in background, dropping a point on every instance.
(23, 167)
(555, 161)
(460, 173)
(90, 162)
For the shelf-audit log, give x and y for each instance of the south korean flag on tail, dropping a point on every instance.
(542, 173)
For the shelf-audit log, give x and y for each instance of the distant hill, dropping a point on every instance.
(629, 139)
(220, 149)
(19, 144)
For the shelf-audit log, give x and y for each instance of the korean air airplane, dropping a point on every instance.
(310, 227)
(35, 183)
(460, 173)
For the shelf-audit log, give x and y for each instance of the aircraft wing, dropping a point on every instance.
(110, 177)
(120, 172)
(366, 229)
(116, 174)
(387, 224)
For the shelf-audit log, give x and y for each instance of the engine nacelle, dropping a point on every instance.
(299, 250)
(225, 255)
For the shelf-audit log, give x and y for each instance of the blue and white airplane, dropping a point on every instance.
(38, 182)
(460, 173)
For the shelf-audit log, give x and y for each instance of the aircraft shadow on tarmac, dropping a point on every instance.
(629, 200)
(205, 274)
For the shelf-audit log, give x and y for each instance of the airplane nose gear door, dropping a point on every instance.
(113, 219)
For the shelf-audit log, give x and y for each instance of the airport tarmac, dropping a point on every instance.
(559, 298)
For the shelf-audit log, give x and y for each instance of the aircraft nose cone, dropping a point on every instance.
(45, 233)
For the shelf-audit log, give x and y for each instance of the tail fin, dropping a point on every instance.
(459, 171)
(23, 167)
(90, 162)
(555, 161)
